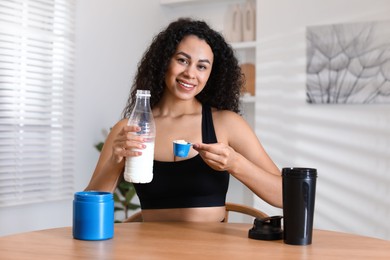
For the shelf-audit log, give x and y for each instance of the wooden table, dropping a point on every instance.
(187, 241)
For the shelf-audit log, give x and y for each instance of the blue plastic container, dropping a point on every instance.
(93, 215)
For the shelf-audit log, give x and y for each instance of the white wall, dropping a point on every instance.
(111, 37)
(348, 144)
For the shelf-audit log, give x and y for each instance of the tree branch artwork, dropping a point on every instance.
(348, 63)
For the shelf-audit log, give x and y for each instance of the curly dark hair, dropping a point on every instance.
(224, 85)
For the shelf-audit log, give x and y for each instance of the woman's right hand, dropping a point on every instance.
(127, 143)
(121, 142)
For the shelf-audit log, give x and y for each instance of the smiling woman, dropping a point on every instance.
(195, 83)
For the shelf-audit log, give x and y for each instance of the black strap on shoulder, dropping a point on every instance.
(208, 131)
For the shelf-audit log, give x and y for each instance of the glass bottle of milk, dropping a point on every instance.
(139, 169)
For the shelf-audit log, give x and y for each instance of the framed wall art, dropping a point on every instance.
(348, 63)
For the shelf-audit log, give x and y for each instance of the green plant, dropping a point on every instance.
(123, 194)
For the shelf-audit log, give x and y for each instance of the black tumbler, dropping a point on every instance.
(299, 189)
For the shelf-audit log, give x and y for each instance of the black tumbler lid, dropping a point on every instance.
(299, 172)
(266, 228)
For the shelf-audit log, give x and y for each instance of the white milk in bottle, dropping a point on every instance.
(139, 169)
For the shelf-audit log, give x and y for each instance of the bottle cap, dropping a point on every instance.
(143, 93)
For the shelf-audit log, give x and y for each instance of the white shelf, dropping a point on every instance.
(184, 2)
(243, 45)
(248, 99)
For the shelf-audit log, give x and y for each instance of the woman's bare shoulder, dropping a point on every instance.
(228, 125)
(227, 116)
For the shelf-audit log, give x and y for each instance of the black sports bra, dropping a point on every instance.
(188, 183)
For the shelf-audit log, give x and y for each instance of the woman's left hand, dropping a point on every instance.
(218, 156)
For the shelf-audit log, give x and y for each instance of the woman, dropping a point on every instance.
(195, 83)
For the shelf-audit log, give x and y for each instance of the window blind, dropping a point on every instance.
(36, 100)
